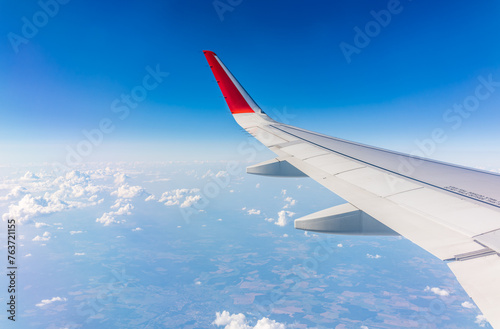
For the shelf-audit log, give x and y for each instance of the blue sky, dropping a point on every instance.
(394, 91)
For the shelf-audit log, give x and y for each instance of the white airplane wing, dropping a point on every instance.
(451, 211)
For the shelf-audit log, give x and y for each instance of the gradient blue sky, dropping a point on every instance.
(286, 54)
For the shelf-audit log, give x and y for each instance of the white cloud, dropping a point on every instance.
(79, 254)
(239, 321)
(481, 320)
(285, 235)
(27, 255)
(257, 185)
(151, 198)
(39, 224)
(29, 207)
(183, 197)
(136, 229)
(75, 232)
(120, 178)
(253, 212)
(363, 327)
(289, 202)
(283, 217)
(190, 200)
(109, 218)
(30, 176)
(283, 192)
(50, 301)
(126, 191)
(46, 195)
(44, 237)
(15, 193)
(467, 304)
(437, 291)
(373, 256)
(220, 219)
(340, 245)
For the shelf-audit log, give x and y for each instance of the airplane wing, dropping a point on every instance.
(451, 211)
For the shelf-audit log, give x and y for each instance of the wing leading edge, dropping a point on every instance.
(451, 211)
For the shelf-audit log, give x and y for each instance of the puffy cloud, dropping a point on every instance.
(109, 218)
(15, 193)
(183, 197)
(340, 245)
(289, 202)
(253, 212)
(126, 191)
(481, 320)
(39, 224)
(190, 200)
(120, 178)
(47, 195)
(239, 321)
(283, 217)
(124, 210)
(27, 255)
(30, 176)
(45, 302)
(75, 232)
(44, 237)
(437, 291)
(257, 185)
(29, 207)
(467, 304)
(136, 229)
(79, 254)
(150, 198)
(373, 256)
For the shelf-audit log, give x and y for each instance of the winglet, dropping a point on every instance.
(238, 100)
